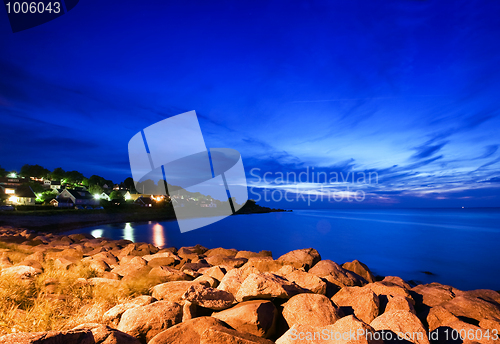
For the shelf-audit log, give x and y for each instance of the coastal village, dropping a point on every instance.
(83, 194)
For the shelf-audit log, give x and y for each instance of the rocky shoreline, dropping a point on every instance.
(199, 295)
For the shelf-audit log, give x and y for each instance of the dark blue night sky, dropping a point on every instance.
(406, 89)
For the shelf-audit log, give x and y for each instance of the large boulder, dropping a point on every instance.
(399, 303)
(173, 291)
(347, 330)
(305, 258)
(401, 323)
(439, 316)
(385, 289)
(21, 272)
(208, 297)
(257, 317)
(189, 331)
(432, 294)
(303, 279)
(475, 308)
(232, 280)
(336, 274)
(359, 268)
(103, 334)
(219, 251)
(51, 337)
(145, 322)
(266, 286)
(249, 254)
(135, 264)
(227, 261)
(264, 264)
(361, 302)
(223, 335)
(310, 309)
(113, 315)
(168, 274)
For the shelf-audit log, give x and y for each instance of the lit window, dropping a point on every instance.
(10, 191)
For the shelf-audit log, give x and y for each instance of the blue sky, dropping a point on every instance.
(406, 89)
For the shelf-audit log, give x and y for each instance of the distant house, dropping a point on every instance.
(62, 203)
(20, 195)
(55, 185)
(77, 197)
(104, 196)
(208, 204)
(144, 201)
(47, 183)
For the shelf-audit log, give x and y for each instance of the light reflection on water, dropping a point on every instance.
(459, 246)
(128, 232)
(97, 233)
(158, 235)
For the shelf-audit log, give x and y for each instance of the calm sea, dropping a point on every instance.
(459, 247)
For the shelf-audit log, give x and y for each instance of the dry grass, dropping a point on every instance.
(57, 299)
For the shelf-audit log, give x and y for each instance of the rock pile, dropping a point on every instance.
(228, 296)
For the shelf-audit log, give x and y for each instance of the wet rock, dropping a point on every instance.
(361, 302)
(145, 322)
(264, 264)
(257, 317)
